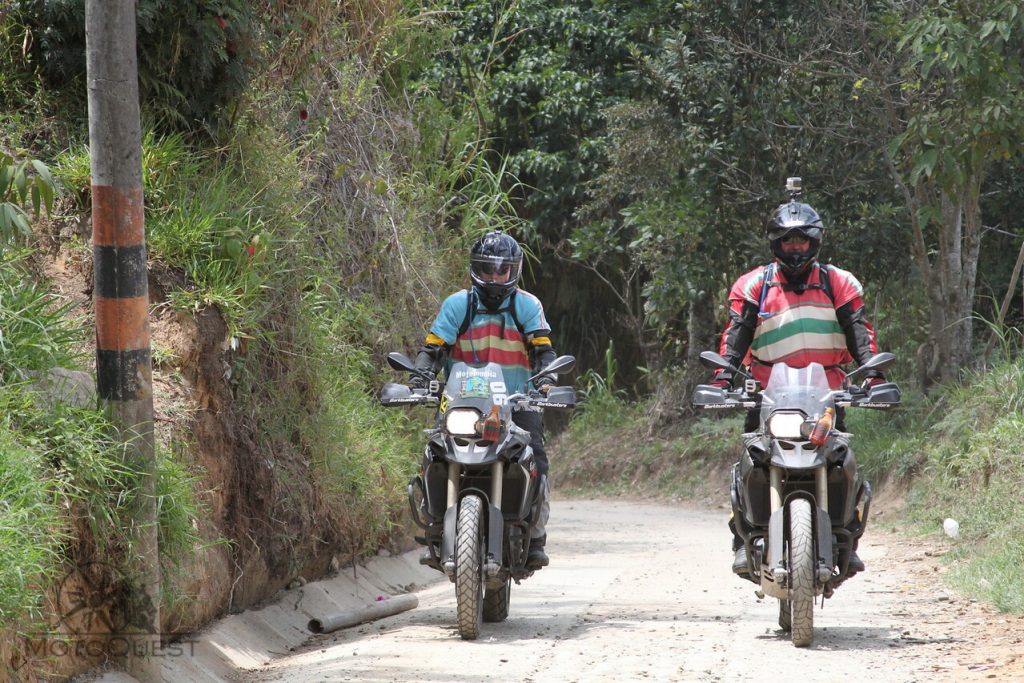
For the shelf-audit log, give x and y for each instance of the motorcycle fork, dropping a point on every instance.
(495, 521)
(451, 515)
(823, 532)
(822, 522)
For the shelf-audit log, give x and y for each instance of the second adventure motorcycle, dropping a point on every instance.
(798, 500)
(477, 495)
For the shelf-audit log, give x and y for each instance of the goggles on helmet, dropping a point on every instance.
(483, 266)
(808, 231)
(494, 268)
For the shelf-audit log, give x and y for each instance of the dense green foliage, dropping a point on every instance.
(195, 58)
(660, 160)
(537, 77)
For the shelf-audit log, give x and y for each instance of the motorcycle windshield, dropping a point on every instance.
(804, 389)
(475, 386)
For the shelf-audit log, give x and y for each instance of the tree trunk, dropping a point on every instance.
(952, 293)
(702, 332)
(949, 277)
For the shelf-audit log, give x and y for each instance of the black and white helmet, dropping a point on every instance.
(495, 253)
(799, 218)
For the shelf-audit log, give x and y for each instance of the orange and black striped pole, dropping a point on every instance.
(124, 378)
(121, 299)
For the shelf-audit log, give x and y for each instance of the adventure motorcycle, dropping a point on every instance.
(477, 496)
(798, 502)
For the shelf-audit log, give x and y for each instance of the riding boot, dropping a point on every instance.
(536, 557)
(739, 562)
(739, 559)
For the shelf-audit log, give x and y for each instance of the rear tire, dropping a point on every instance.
(785, 615)
(801, 572)
(496, 602)
(469, 566)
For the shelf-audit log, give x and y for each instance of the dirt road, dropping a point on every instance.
(642, 592)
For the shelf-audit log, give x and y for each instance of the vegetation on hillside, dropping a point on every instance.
(66, 490)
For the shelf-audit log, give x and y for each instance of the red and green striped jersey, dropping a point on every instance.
(798, 327)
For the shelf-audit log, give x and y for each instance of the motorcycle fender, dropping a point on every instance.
(451, 517)
(495, 535)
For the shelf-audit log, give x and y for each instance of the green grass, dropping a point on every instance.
(36, 329)
(972, 472)
(178, 510)
(202, 217)
(30, 528)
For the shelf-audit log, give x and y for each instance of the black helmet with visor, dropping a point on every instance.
(495, 264)
(791, 219)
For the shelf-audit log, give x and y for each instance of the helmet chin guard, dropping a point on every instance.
(794, 266)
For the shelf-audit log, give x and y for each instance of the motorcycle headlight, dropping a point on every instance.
(461, 422)
(787, 425)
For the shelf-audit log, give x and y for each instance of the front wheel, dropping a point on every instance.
(801, 573)
(469, 566)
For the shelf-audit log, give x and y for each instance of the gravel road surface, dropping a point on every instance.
(643, 592)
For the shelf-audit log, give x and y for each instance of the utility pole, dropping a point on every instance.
(124, 377)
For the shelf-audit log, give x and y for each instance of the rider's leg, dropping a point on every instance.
(751, 423)
(533, 422)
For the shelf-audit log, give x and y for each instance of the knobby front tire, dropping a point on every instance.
(801, 572)
(469, 566)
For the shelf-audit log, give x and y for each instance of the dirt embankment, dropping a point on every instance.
(265, 523)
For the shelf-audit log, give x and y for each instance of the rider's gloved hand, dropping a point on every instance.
(416, 382)
(874, 381)
(722, 381)
(544, 385)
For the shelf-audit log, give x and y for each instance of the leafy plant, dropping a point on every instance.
(18, 186)
(603, 406)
